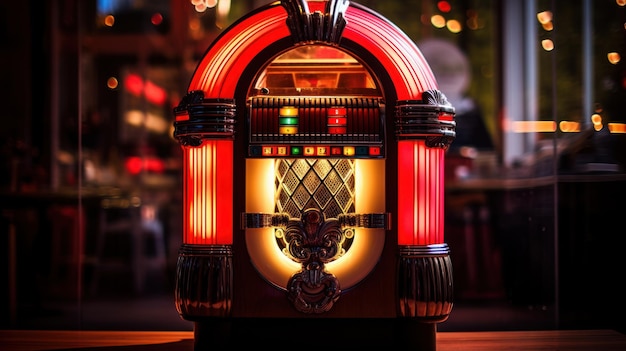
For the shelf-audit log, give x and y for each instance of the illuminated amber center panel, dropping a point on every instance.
(315, 174)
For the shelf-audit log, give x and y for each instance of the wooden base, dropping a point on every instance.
(343, 333)
(570, 340)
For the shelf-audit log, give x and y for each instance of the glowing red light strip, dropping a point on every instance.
(420, 193)
(237, 47)
(208, 193)
(394, 50)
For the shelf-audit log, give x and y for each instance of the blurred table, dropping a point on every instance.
(562, 340)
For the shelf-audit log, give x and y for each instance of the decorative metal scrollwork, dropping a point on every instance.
(316, 27)
(313, 241)
(198, 118)
(431, 119)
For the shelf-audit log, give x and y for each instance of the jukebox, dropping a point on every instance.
(313, 138)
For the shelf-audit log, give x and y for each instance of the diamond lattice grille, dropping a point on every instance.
(325, 184)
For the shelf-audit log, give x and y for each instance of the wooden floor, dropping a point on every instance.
(564, 340)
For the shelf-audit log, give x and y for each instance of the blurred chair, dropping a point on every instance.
(130, 239)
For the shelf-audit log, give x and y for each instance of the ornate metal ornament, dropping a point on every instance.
(425, 286)
(204, 281)
(314, 224)
(313, 241)
(198, 119)
(309, 27)
(431, 118)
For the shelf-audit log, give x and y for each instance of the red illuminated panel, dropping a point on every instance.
(208, 193)
(235, 49)
(238, 46)
(182, 117)
(337, 120)
(400, 56)
(336, 111)
(420, 193)
(374, 150)
(337, 130)
(443, 116)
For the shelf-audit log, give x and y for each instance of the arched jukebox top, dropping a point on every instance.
(325, 49)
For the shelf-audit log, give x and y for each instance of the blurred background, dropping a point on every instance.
(90, 175)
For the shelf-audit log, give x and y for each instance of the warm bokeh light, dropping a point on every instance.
(438, 21)
(203, 5)
(547, 44)
(156, 19)
(109, 21)
(223, 8)
(620, 2)
(444, 6)
(195, 28)
(596, 119)
(135, 85)
(617, 128)
(547, 26)
(614, 57)
(454, 26)
(112, 83)
(420, 195)
(148, 120)
(544, 17)
(569, 126)
(533, 126)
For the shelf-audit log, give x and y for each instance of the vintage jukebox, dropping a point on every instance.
(313, 137)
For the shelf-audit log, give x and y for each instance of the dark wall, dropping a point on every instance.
(24, 57)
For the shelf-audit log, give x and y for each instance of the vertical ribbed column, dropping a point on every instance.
(425, 129)
(420, 195)
(425, 287)
(204, 281)
(204, 270)
(208, 193)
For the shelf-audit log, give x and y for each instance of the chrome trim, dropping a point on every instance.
(425, 286)
(307, 26)
(204, 281)
(207, 119)
(419, 119)
(366, 220)
(422, 251)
